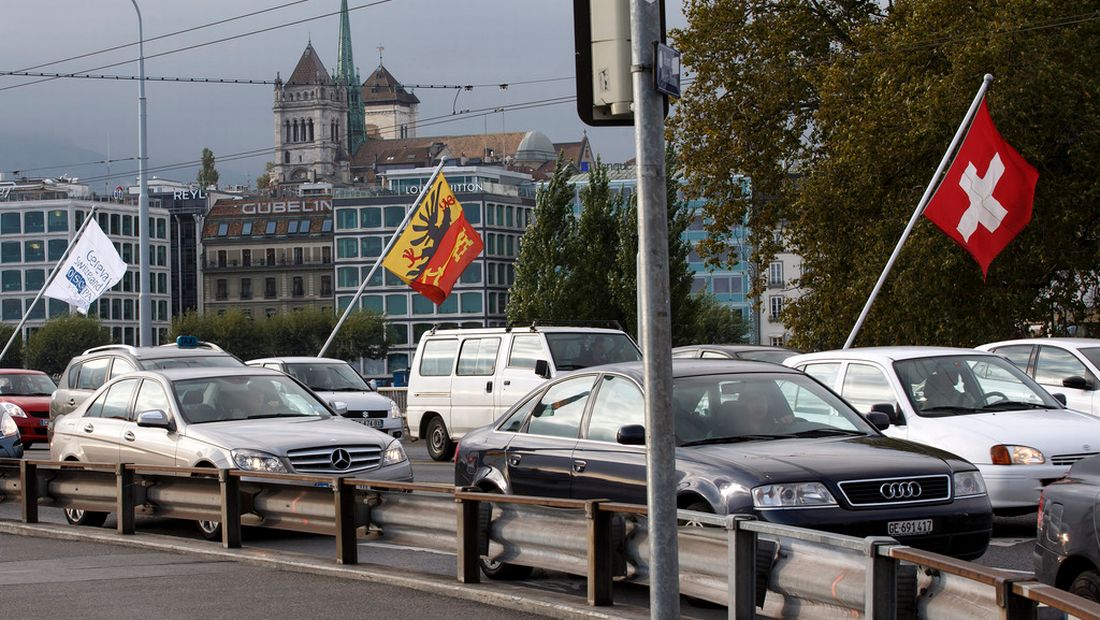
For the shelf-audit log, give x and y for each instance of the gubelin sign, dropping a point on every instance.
(286, 206)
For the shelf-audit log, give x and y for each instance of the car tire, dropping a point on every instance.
(440, 446)
(699, 506)
(1087, 585)
(503, 571)
(210, 530)
(85, 518)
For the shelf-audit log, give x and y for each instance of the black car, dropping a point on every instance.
(752, 437)
(1067, 548)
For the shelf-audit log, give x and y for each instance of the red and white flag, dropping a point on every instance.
(986, 196)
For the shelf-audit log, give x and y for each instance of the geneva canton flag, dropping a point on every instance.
(436, 246)
(985, 198)
(93, 267)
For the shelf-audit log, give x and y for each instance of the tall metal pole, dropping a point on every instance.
(655, 330)
(145, 317)
(920, 206)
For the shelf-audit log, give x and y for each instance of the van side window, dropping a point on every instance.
(93, 373)
(438, 358)
(478, 357)
(525, 351)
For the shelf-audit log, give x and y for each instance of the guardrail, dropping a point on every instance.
(780, 571)
(399, 395)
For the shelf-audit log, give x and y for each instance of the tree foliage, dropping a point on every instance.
(840, 110)
(208, 175)
(14, 356)
(50, 348)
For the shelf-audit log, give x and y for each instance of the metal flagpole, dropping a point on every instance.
(921, 206)
(385, 251)
(49, 280)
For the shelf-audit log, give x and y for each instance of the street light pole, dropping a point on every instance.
(145, 322)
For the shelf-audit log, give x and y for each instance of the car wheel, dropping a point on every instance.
(210, 530)
(440, 446)
(86, 518)
(503, 571)
(699, 506)
(1087, 585)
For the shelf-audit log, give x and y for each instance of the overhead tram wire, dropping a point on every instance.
(198, 45)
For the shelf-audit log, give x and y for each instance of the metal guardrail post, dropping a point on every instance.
(124, 494)
(600, 553)
(880, 590)
(347, 545)
(469, 533)
(742, 568)
(1014, 606)
(231, 509)
(28, 484)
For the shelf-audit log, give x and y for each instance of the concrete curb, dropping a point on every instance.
(497, 594)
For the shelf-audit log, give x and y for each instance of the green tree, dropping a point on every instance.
(50, 348)
(265, 180)
(839, 112)
(363, 334)
(14, 357)
(714, 323)
(208, 175)
(593, 248)
(541, 288)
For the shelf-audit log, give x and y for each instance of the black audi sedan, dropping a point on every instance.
(1067, 546)
(752, 438)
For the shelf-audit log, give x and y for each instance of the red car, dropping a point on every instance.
(25, 395)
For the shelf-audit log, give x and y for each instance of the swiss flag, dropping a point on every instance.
(985, 198)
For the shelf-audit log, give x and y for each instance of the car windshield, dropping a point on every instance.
(26, 385)
(729, 408)
(192, 361)
(244, 397)
(328, 377)
(1092, 354)
(950, 385)
(581, 350)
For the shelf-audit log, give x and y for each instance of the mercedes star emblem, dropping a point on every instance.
(341, 459)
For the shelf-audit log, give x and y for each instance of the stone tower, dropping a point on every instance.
(311, 124)
(389, 110)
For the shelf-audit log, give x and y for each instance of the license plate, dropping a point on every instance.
(909, 528)
(371, 422)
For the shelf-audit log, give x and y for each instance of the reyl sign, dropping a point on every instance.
(188, 194)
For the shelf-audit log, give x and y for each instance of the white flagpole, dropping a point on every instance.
(49, 280)
(921, 205)
(385, 251)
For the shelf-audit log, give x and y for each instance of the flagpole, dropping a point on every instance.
(385, 251)
(49, 280)
(947, 156)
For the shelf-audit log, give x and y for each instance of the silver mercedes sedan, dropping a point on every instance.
(252, 419)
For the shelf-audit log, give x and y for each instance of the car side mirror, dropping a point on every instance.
(893, 416)
(542, 368)
(154, 418)
(373, 384)
(879, 420)
(1060, 398)
(631, 435)
(339, 406)
(1077, 382)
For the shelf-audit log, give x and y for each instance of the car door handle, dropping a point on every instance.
(88, 427)
(514, 459)
(129, 436)
(579, 465)
(488, 386)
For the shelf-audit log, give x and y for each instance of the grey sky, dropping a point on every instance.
(69, 121)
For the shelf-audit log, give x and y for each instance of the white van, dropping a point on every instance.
(462, 379)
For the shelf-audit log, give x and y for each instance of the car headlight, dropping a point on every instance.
(15, 410)
(395, 411)
(7, 426)
(254, 460)
(792, 495)
(394, 454)
(969, 484)
(1015, 455)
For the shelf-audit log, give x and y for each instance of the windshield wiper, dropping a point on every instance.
(1014, 404)
(828, 432)
(733, 439)
(258, 416)
(948, 409)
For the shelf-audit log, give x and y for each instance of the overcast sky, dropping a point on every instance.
(71, 121)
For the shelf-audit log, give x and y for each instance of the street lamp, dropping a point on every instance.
(145, 323)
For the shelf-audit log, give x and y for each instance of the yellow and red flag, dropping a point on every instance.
(437, 244)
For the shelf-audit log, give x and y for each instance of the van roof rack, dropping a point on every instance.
(605, 323)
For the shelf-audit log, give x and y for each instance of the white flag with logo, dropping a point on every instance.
(93, 267)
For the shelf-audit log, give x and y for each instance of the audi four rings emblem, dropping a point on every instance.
(341, 458)
(900, 490)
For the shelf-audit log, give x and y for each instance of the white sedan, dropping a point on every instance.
(974, 404)
(1067, 366)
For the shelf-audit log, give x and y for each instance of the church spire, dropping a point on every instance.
(346, 76)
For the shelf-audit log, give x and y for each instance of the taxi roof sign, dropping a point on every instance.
(187, 342)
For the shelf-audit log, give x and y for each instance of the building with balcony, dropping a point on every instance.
(39, 219)
(268, 257)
